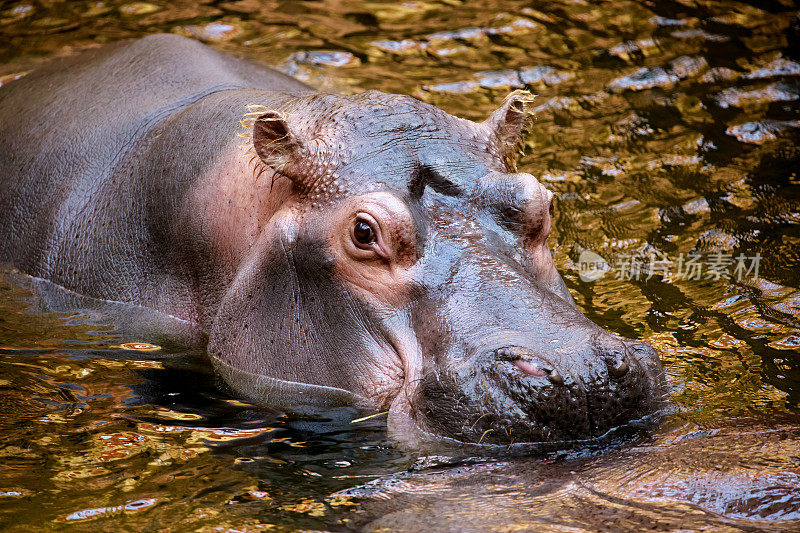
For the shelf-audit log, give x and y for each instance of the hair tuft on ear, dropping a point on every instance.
(274, 141)
(510, 124)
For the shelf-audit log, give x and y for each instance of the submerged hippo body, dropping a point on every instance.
(367, 249)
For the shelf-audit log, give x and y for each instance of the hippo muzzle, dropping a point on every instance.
(514, 394)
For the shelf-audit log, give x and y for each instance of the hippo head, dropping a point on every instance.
(408, 270)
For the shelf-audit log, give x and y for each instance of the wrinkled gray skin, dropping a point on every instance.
(367, 249)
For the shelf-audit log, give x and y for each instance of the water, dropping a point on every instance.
(664, 129)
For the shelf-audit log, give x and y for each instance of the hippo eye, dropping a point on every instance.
(363, 234)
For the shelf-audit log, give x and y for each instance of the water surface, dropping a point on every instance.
(668, 132)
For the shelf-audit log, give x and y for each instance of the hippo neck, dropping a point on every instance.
(230, 206)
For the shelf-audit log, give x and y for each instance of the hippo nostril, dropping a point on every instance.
(509, 353)
(616, 358)
(617, 368)
(530, 368)
(555, 377)
(525, 361)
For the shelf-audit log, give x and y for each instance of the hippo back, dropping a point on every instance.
(65, 128)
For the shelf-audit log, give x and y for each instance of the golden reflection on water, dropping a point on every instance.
(668, 127)
(140, 346)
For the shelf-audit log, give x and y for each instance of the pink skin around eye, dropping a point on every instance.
(530, 368)
(380, 247)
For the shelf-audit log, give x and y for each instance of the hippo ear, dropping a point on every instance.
(278, 145)
(509, 124)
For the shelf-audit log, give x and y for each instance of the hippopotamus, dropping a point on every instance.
(365, 250)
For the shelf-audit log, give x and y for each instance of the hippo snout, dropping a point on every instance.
(519, 394)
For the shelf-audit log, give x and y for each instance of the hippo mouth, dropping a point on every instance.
(289, 396)
(407, 432)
